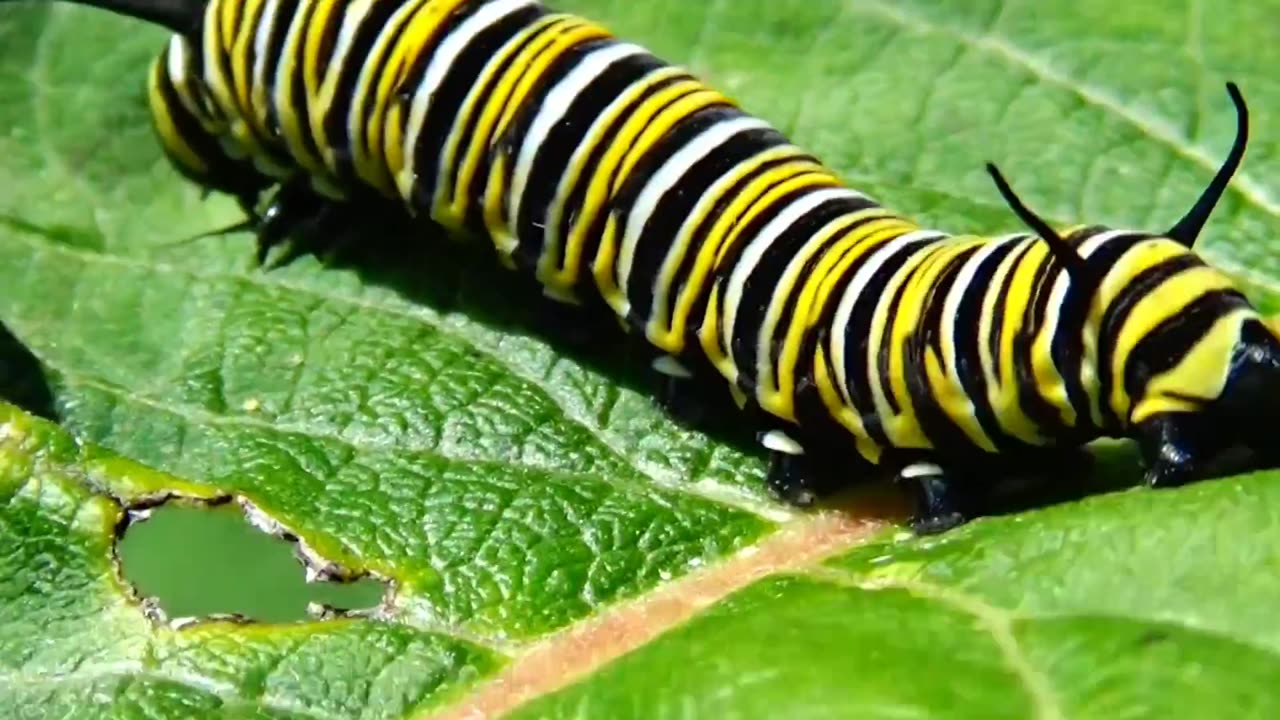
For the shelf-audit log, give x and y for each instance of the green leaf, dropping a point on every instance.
(1139, 604)
(550, 535)
(97, 654)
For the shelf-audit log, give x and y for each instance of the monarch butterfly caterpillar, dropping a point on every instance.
(871, 343)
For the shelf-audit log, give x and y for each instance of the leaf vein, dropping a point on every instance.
(995, 621)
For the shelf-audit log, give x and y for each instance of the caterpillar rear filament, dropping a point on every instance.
(872, 345)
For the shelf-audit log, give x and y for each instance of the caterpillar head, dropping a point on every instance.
(1186, 437)
(1249, 403)
(1197, 374)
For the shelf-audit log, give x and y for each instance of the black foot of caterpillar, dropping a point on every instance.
(952, 495)
(937, 501)
(295, 214)
(791, 480)
(797, 477)
(566, 322)
(299, 216)
(676, 392)
(1180, 450)
(305, 222)
(691, 391)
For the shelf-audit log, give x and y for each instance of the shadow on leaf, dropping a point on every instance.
(22, 377)
(429, 267)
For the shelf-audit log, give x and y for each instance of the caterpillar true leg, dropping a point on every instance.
(1171, 460)
(293, 215)
(306, 222)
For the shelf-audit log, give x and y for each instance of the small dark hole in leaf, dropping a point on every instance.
(197, 561)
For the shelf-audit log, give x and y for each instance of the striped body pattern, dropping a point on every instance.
(614, 177)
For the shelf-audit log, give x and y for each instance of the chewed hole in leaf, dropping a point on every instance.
(197, 560)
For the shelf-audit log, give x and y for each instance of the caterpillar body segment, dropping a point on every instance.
(870, 343)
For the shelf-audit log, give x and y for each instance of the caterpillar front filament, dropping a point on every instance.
(873, 345)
